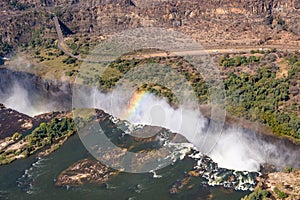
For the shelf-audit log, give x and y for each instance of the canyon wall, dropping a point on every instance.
(219, 22)
(33, 95)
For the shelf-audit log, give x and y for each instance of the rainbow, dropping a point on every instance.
(136, 100)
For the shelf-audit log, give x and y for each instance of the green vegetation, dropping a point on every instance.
(161, 91)
(294, 61)
(258, 97)
(69, 60)
(50, 132)
(47, 134)
(51, 61)
(16, 136)
(71, 73)
(38, 40)
(226, 61)
(280, 194)
(288, 169)
(116, 71)
(81, 45)
(257, 194)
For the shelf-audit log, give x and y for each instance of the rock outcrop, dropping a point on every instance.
(12, 121)
(282, 185)
(85, 171)
(210, 22)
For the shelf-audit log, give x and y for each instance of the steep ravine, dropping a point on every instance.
(33, 95)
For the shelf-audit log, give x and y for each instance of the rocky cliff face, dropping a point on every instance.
(258, 6)
(238, 22)
(29, 92)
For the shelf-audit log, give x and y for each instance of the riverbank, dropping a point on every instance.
(278, 185)
(45, 137)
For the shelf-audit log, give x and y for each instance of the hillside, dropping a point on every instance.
(212, 23)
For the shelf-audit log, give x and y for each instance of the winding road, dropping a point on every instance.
(233, 50)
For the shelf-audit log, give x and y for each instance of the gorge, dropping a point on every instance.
(250, 150)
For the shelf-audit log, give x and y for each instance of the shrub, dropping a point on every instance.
(50, 54)
(69, 60)
(297, 64)
(288, 169)
(293, 60)
(280, 194)
(59, 53)
(226, 61)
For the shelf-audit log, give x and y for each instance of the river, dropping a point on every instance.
(34, 178)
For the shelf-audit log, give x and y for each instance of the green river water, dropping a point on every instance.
(33, 178)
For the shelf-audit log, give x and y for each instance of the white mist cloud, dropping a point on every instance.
(28, 102)
(234, 149)
(18, 100)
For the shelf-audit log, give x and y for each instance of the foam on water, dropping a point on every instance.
(27, 181)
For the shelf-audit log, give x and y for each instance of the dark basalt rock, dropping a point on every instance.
(12, 121)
